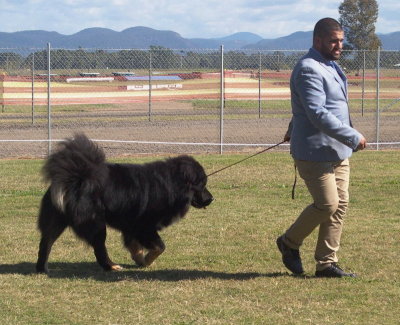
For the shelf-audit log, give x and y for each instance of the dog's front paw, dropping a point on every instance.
(139, 260)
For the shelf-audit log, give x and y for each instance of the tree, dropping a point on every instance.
(358, 18)
(10, 61)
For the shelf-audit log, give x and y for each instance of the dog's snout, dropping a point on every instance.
(207, 197)
(208, 201)
(202, 199)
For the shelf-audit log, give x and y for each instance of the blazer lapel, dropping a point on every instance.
(337, 74)
(341, 75)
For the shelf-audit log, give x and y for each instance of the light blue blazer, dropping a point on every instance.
(320, 129)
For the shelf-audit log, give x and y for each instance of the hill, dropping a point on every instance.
(140, 37)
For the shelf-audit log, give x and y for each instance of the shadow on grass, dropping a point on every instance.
(85, 270)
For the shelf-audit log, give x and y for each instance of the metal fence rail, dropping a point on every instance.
(176, 101)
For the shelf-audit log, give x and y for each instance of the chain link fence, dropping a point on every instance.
(176, 101)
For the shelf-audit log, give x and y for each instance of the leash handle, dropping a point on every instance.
(238, 162)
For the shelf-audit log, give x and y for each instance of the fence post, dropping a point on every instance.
(377, 97)
(48, 99)
(222, 99)
(150, 72)
(259, 87)
(33, 87)
(363, 86)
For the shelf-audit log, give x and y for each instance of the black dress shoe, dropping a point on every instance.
(333, 271)
(290, 257)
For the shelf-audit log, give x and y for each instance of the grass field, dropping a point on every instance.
(221, 265)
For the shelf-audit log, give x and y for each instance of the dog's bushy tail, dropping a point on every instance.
(76, 171)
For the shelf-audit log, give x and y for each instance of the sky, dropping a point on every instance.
(190, 18)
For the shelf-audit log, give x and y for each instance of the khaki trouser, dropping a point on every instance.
(328, 184)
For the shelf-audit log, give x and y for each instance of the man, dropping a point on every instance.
(322, 139)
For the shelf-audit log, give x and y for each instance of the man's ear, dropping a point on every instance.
(317, 42)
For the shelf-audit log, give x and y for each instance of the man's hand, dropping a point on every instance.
(286, 137)
(362, 144)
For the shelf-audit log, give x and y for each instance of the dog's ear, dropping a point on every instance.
(190, 170)
(187, 171)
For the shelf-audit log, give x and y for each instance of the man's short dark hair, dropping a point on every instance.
(326, 25)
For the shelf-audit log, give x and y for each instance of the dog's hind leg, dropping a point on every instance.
(46, 243)
(95, 234)
(51, 225)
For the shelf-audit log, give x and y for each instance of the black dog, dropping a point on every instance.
(86, 193)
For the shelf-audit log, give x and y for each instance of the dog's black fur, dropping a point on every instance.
(86, 193)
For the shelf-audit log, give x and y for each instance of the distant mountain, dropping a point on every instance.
(390, 41)
(135, 37)
(295, 41)
(30, 38)
(143, 37)
(242, 36)
(234, 41)
(239, 40)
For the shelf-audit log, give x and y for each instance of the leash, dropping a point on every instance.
(240, 161)
(295, 181)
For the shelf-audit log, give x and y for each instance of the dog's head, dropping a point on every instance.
(196, 180)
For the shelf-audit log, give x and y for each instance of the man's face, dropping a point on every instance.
(331, 45)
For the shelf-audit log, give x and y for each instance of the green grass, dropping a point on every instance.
(279, 106)
(221, 265)
(42, 109)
